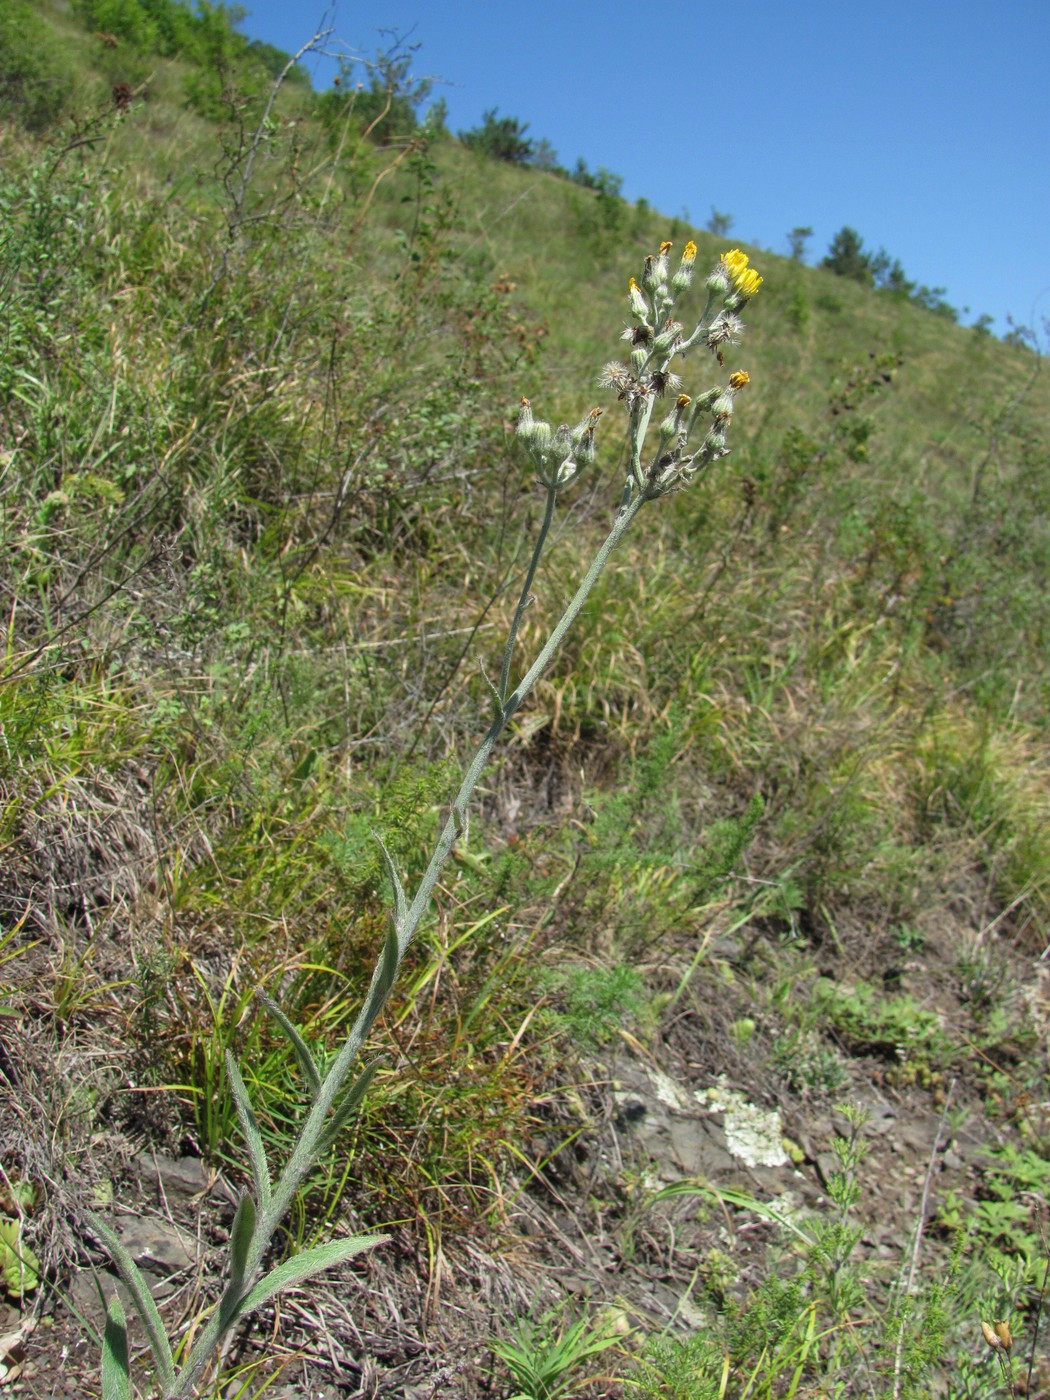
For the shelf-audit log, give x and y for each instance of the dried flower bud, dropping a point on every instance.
(990, 1336)
(584, 450)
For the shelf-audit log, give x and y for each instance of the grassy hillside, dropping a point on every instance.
(772, 822)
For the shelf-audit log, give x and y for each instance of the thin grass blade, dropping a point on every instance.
(140, 1297)
(251, 1131)
(303, 1053)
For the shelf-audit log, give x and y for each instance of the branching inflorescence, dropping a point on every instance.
(690, 437)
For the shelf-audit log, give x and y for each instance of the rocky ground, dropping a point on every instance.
(633, 1208)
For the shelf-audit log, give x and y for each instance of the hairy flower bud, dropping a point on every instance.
(534, 434)
(684, 273)
(584, 450)
(671, 428)
(669, 338)
(639, 306)
(654, 274)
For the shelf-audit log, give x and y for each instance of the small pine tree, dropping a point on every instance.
(847, 257)
(797, 239)
(500, 138)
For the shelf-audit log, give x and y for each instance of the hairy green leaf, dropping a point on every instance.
(303, 1266)
(241, 1236)
(250, 1129)
(400, 906)
(140, 1297)
(303, 1053)
(116, 1373)
(349, 1105)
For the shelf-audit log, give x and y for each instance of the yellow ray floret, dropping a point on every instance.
(745, 280)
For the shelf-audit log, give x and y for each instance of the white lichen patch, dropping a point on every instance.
(670, 1094)
(753, 1134)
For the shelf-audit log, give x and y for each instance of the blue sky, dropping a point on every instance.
(925, 126)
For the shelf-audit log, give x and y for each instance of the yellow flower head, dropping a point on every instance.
(683, 401)
(739, 378)
(665, 248)
(744, 280)
(689, 252)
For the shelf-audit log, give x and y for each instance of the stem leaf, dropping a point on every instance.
(349, 1105)
(251, 1131)
(303, 1053)
(116, 1373)
(303, 1266)
(141, 1297)
(400, 904)
(241, 1236)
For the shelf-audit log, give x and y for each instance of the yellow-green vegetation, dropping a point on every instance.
(775, 811)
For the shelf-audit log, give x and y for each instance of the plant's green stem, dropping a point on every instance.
(305, 1151)
(523, 600)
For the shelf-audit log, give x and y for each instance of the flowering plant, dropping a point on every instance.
(689, 437)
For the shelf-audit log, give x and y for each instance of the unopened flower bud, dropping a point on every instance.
(534, 434)
(684, 272)
(654, 275)
(718, 281)
(671, 427)
(668, 340)
(639, 306)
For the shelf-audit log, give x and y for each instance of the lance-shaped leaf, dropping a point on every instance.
(303, 1053)
(116, 1373)
(303, 1266)
(141, 1297)
(390, 959)
(400, 904)
(349, 1105)
(250, 1129)
(241, 1236)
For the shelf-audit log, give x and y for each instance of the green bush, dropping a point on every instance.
(36, 79)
